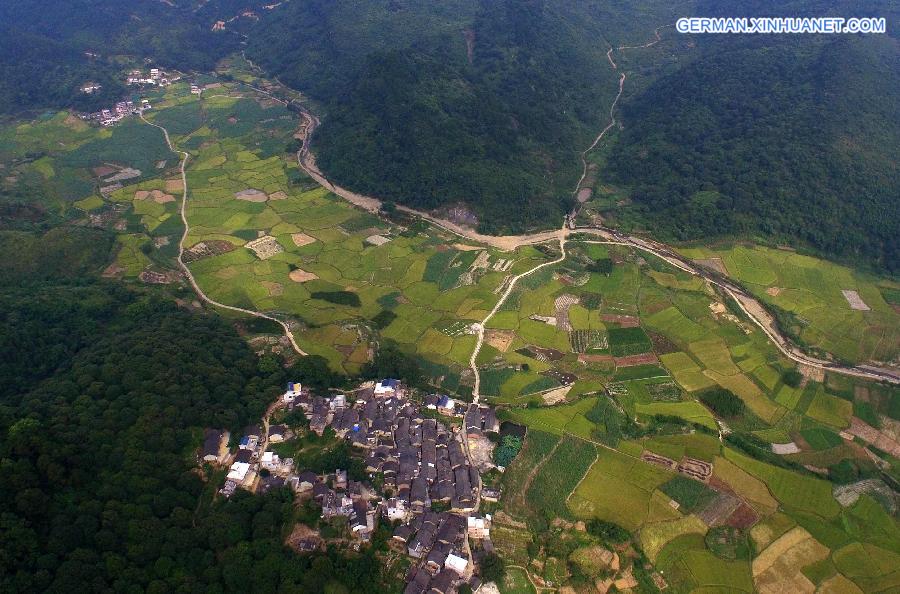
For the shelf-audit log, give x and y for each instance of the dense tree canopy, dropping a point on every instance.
(100, 418)
(793, 139)
(422, 118)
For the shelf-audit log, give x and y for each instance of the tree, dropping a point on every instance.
(722, 401)
(493, 568)
(608, 531)
(792, 378)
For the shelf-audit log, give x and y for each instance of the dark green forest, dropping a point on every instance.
(105, 392)
(793, 139)
(415, 117)
(44, 48)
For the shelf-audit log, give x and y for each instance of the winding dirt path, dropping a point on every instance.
(748, 304)
(187, 228)
(479, 328)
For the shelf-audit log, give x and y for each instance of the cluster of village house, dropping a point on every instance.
(122, 109)
(422, 463)
(113, 115)
(155, 77)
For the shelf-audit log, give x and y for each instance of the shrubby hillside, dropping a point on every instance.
(43, 47)
(791, 138)
(485, 103)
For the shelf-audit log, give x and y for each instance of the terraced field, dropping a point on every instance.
(604, 370)
(811, 290)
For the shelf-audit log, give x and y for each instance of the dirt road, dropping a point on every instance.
(749, 304)
(187, 229)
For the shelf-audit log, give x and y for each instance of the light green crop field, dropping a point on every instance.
(811, 289)
(626, 372)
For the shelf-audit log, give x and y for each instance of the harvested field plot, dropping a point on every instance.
(499, 339)
(302, 239)
(265, 247)
(854, 300)
(777, 568)
(251, 195)
(633, 360)
(301, 276)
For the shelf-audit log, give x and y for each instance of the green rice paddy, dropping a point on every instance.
(421, 290)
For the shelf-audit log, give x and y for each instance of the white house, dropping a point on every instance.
(270, 461)
(239, 471)
(386, 386)
(294, 390)
(396, 509)
(456, 563)
(479, 527)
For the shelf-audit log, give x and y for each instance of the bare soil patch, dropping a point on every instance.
(157, 196)
(774, 291)
(584, 194)
(541, 354)
(251, 195)
(303, 538)
(301, 239)
(595, 359)
(563, 377)
(104, 170)
(207, 249)
(264, 247)
(467, 248)
(302, 276)
(174, 185)
(633, 360)
(113, 271)
(656, 459)
(556, 396)
(855, 300)
(623, 321)
(743, 517)
(279, 195)
(500, 339)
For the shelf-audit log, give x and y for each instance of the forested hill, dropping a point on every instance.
(105, 395)
(484, 102)
(786, 138)
(48, 49)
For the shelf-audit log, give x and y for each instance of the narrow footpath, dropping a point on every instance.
(750, 305)
(187, 229)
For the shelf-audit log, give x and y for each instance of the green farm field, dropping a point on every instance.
(601, 369)
(810, 289)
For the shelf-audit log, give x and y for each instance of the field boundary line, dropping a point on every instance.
(185, 156)
(479, 327)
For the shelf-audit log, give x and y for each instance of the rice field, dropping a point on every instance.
(622, 489)
(422, 290)
(811, 289)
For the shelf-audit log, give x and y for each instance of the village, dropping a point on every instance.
(422, 477)
(111, 116)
